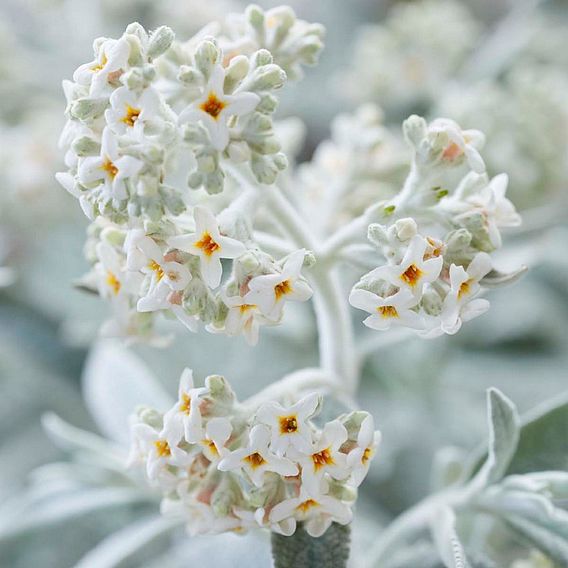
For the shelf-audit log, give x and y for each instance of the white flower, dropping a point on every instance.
(243, 317)
(257, 458)
(208, 243)
(413, 271)
(260, 518)
(359, 459)
(325, 458)
(184, 419)
(110, 167)
(129, 110)
(201, 519)
(458, 305)
(217, 432)
(316, 513)
(113, 279)
(214, 108)
(158, 452)
(110, 59)
(166, 275)
(386, 312)
(289, 426)
(461, 143)
(270, 291)
(497, 210)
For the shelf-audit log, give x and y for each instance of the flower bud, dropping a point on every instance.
(160, 41)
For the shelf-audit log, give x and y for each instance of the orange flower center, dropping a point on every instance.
(411, 275)
(131, 116)
(288, 424)
(113, 282)
(452, 152)
(388, 311)
(465, 288)
(321, 459)
(109, 168)
(162, 448)
(207, 244)
(255, 460)
(282, 289)
(244, 308)
(307, 505)
(213, 106)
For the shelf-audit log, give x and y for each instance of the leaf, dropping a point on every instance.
(115, 382)
(495, 278)
(140, 537)
(545, 540)
(443, 528)
(504, 428)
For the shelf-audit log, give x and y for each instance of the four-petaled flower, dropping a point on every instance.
(217, 432)
(243, 317)
(413, 271)
(270, 291)
(325, 457)
(359, 458)
(208, 243)
(256, 458)
(130, 110)
(111, 168)
(110, 59)
(390, 311)
(184, 419)
(214, 108)
(289, 426)
(316, 512)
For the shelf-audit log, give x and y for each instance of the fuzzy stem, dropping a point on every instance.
(331, 550)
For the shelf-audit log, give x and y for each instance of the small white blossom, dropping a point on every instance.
(256, 458)
(111, 56)
(129, 110)
(214, 108)
(184, 419)
(114, 281)
(243, 317)
(270, 291)
(289, 426)
(389, 311)
(217, 432)
(325, 458)
(110, 168)
(208, 243)
(317, 513)
(359, 459)
(413, 271)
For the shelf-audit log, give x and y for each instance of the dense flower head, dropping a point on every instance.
(153, 125)
(436, 235)
(223, 467)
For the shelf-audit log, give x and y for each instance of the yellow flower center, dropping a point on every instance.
(162, 448)
(99, 66)
(306, 505)
(212, 106)
(282, 289)
(367, 455)
(244, 308)
(321, 459)
(388, 311)
(211, 445)
(113, 282)
(131, 115)
(255, 460)
(207, 244)
(108, 167)
(465, 288)
(153, 265)
(288, 424)
(411, 275)
(185, 404)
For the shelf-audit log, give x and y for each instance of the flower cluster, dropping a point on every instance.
(151, 118)
(436, 235)
(223, 470)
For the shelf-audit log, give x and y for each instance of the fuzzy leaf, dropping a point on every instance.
(495, 278)
(115, 382)
(450, 549)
